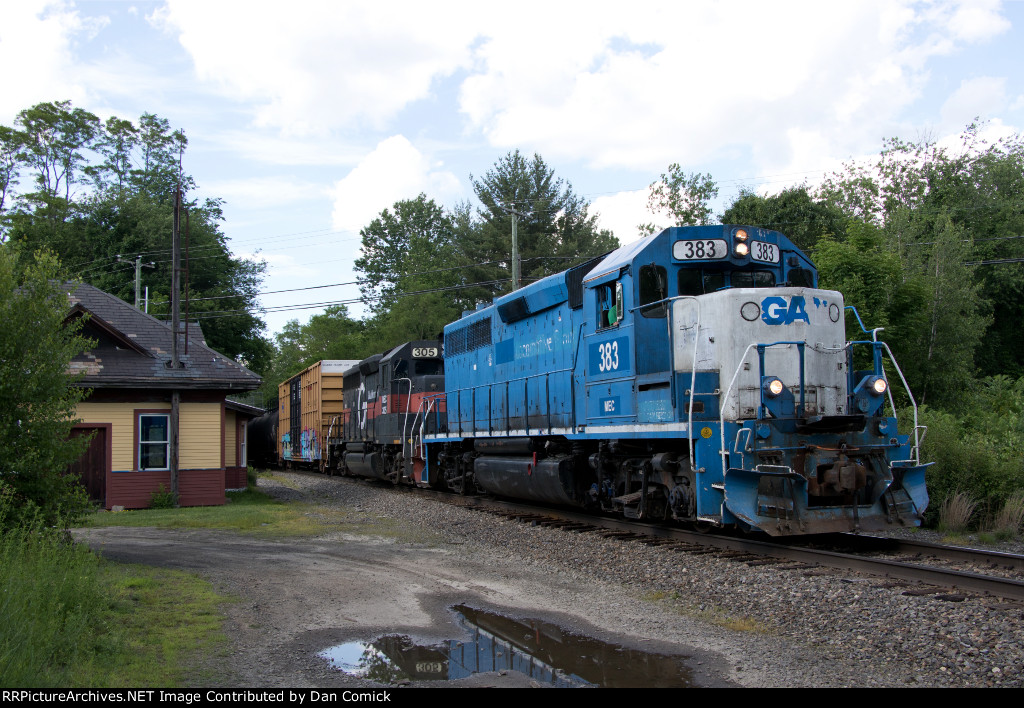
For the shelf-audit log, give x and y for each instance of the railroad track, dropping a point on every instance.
(911, 570)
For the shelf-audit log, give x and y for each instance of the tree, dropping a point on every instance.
(792, 211)
(11, 159)
(37, 395)
(129, 213)
(409, 272)
(921, 195)
(684, 198)
(956, 322)
(871, 278)
(554, 227)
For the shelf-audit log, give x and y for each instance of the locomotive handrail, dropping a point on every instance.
(430, 399)
(739, 367)
(873, 332)
(693, 367)
(458, 391)
(405, 421)
(915, 452)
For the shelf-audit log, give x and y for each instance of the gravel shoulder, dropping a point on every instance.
(403, 561)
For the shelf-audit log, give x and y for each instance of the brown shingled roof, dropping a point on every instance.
(134, 350)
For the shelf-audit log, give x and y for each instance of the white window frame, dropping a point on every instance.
(243, 438)
(166, 443)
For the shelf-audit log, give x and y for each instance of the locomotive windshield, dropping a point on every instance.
(428, 367)
(696, 281)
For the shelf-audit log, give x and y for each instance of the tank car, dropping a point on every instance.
(698, 374)
(262, 436)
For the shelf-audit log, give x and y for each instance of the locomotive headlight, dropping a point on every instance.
(879, 385)
(741, 235)
(741, 249)
(773, 387)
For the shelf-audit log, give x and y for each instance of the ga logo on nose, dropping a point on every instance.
(776, 311)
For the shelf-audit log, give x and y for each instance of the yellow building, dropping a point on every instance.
(129, 409)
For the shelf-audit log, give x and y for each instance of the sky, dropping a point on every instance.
(310, 117)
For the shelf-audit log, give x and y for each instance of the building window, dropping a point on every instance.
(243, 432)
(154, 442)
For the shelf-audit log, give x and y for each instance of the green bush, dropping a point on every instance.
(978, 451)
(163, 498)
(37, 395)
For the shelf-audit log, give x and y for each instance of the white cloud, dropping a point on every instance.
(322, 64)
(622, 213)
(978, 97)
(36, 38)
(645, 85)
(265, 192)
(977, 20)
(395, 170)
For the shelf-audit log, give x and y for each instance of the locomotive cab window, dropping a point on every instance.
(429, 367)
(695, 281)
(653, 288)
(752, 279)
(801, 278)
(609, 305)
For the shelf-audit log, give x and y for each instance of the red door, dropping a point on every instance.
(92, 466)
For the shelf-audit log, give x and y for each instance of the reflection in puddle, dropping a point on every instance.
(541, 650)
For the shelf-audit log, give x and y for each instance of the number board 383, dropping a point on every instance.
(707, 249)
(764, 252)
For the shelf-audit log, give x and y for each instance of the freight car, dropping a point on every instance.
(309, 408)
(697, 375)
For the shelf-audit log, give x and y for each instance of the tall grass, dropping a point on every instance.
(956, 512)
(1009, 522)
(50, 602)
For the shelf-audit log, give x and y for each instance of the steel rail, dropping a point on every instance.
(961, 580)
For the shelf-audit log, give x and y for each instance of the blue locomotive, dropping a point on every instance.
(697, 375)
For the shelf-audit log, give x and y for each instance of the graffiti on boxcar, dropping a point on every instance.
(309, 442)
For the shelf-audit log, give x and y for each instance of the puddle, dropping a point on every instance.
(541, 650)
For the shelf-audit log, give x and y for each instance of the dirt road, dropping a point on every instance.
(301, 596)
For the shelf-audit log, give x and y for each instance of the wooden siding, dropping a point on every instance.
(201, 478)
(235, 478)
(133, 490)
(200, 435)
(121, 417)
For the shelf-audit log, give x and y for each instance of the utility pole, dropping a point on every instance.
(516, 275)
(139, 265)
(175, 362)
